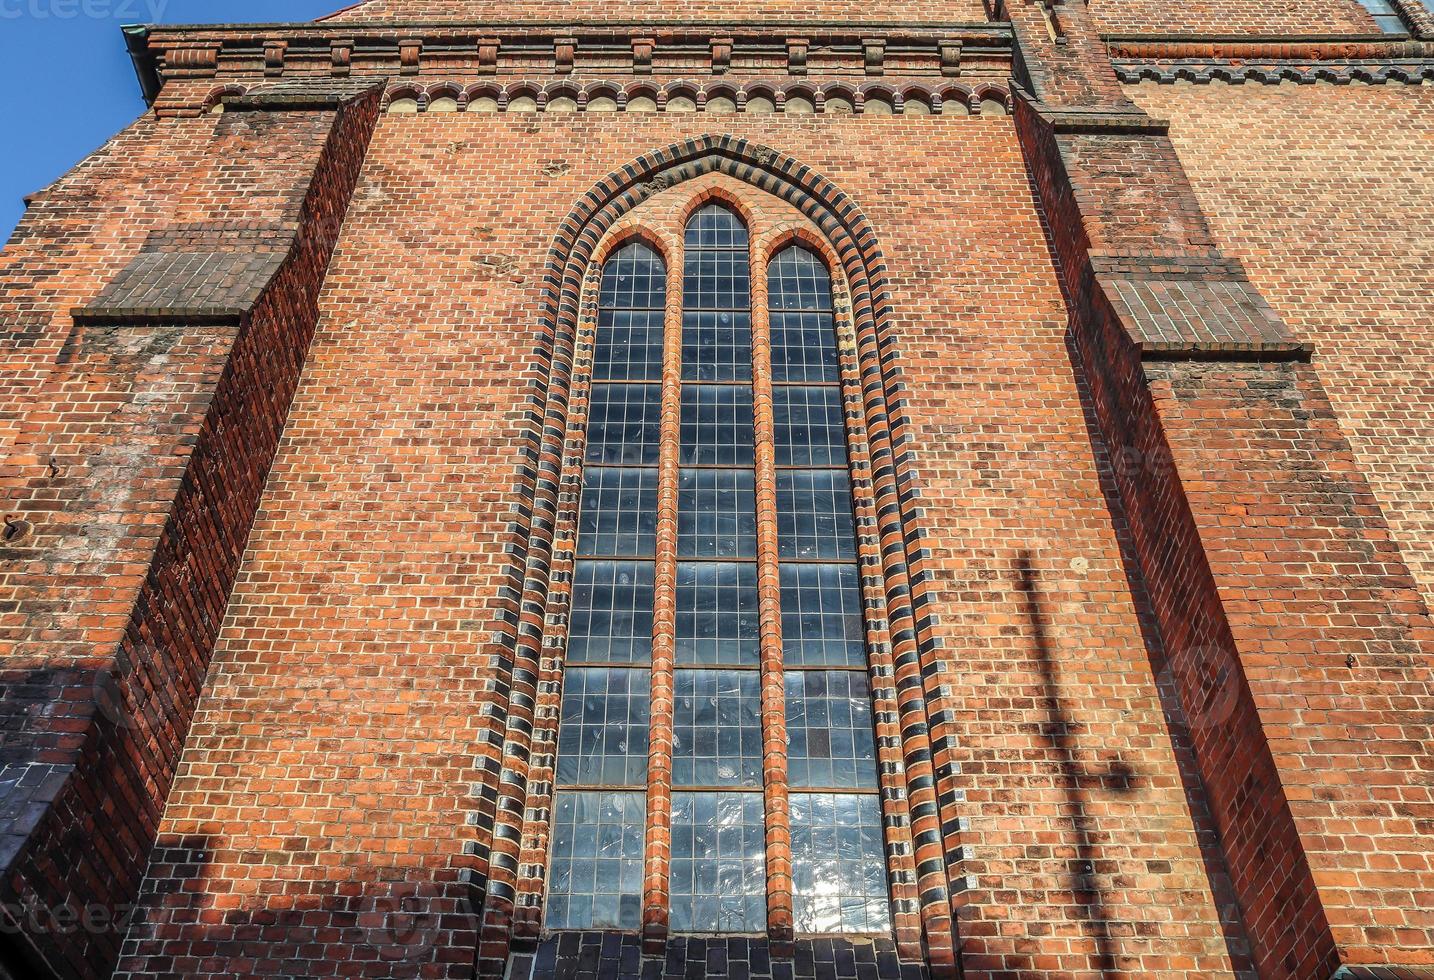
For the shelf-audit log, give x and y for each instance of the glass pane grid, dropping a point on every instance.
(634, 278)
(717, 426)
(829, 730)
(595, 876)
(624, 424)
(629, 345)
(714, 226)
(602, 738)
(610, 616)
(822, 622)
(814, 515)
(839, 882)
(717, 514)
(717, 614)
(719, 863)
(804, 348)
(797, 279)
(619, 512)
(717, 280)
(717, 728)
(716, 346)
(810, 429)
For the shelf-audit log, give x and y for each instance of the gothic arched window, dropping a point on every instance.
(690, 708)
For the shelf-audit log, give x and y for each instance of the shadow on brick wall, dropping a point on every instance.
(1212, 852)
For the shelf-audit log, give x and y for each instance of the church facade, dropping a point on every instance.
(755, 490)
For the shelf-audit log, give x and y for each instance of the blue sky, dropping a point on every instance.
(69, 84)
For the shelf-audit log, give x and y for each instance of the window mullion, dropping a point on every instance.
(780, 918)
(656, 912)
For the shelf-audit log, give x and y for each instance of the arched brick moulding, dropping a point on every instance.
(926, 737)
(537, 803)
(907, 914)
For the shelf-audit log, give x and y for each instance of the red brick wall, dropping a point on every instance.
(1316, 189)
(683, 11)
(1335, 640)
(330, 761)
(139, 458)
(1227, 17)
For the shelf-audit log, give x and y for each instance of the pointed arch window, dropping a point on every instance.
(750, 449)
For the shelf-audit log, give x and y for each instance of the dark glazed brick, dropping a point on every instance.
(692, 956)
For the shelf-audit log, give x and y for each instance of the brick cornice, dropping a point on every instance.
(221, 51)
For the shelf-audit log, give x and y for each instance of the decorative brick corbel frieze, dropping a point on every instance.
(721, 55)
(873, 55)
(950, 57)
(341, 53)
(192, 60)
(642, 55)
(274, 57)
(488, 48)
(233, 305)
(564, 52)
(410, 52)
(797, 48)
(1206, 402)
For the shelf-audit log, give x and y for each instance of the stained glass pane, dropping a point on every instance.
(717, 615)
(838, 864)
(829, 733)
(717, 425)
(717, 514)
(602, 739)
(719, 866)
(595, 878)
(803, 332)
(814, 516)
(810, 430)
(610, 618)
(717, 280)
(716, 299)
(624, 424)
(619, 512)
(821, 616)
(717, 728)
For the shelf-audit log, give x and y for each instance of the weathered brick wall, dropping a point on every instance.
(1318, 191)
(1336, 639)
(328, 773)
(680, 12)
(138, 458)
(1232, 17)
(1255, 534)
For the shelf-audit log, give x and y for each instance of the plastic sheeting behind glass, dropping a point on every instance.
(595, 877)
(717, 729)
(839, 879)
(602, 738)
(719, 868)
(829, 731)
(610, 619)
